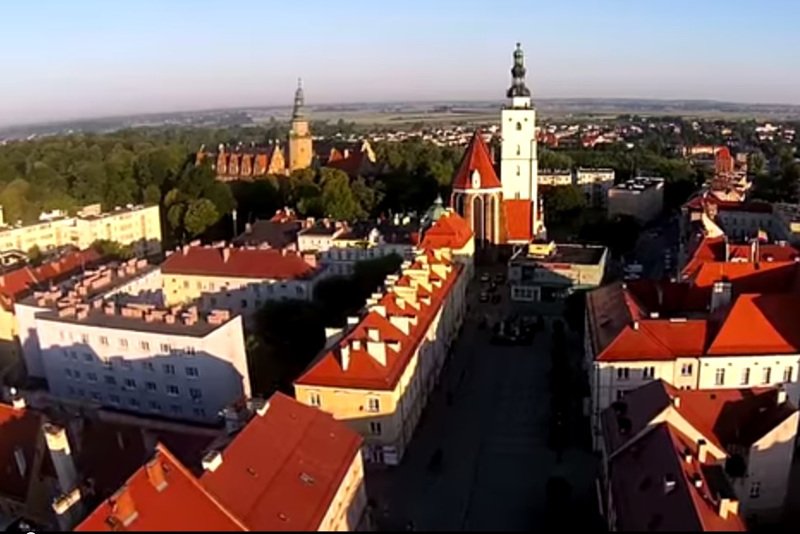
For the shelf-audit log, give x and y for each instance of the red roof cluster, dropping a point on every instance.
(374, 354)
(237, 263)
(660, 480)
(722, 254)
(281, 472)
(16, 283)
(476, 160)
(448, 231)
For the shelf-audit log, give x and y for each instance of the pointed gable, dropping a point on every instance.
(477, 164)
(759, 324)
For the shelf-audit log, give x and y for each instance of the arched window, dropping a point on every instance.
(518, 150)
(519, 126)
(517, 170)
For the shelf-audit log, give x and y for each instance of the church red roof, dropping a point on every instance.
(476, 158)
(240, 262)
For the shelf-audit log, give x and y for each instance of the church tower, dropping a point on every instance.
(300, 148)
(518, 165)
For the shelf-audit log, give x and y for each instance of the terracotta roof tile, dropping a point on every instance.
(449, 231)
(759, 324)
(242, 262)
(282, 470)
(476, 158)
(20, 430)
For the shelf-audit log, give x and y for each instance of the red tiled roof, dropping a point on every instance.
(518, 219)
(449, 231)
(364, 371)
(759, 324)
(241, 263)
(712, 250)
(476, 158)
(282, 470)
(181, 504)
(19, 430)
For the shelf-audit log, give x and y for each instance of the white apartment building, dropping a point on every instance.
(641, 198)
(139, 226)
(146, 360)
(555, 177)
(595, 184)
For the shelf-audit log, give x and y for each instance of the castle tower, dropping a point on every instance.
(300, 147)
(518, 159)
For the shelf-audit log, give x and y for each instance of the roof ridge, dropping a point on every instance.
(166, 452)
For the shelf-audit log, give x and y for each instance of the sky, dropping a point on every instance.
(93, 58)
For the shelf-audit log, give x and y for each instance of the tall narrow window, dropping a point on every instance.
(519, 150)
(766, 378)
(719, 378)
(519, 126)
(787, 374)
(745, 376)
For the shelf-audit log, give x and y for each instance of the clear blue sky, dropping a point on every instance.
(63, 59)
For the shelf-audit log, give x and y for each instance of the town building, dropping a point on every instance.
(378, 374)
(595, 184)
(505, 210)
(60, 465)
(18, 282)
(278, 232)
(103, 339)
(681, 460)
(245, 163)
(367, 241)
(137, 226)
(548, 271)
(291, 467)
(555, 177)
(726, 327)
(740, 220)
(240, 279)
(641, 198)
(300, 144)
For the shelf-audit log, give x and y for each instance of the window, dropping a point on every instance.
(648, 373)
(686, 369)
(519, 126)
(244, 303)
(130, 383)
(172, 390)
(620, 394)
(155, 406)
(745, 376)
(76, 374)
(787, 374)
(151, 386)
(73, 354)
(91, 377)
(518, 170)
(107, 364)
(165, 348)
(144, 345)
(96, 396)
(518, 150)
(375, 428)
(174, 408)
(314, 399)
(192, 372)
(104, 340)
(148, 366)
(127, 365)
(114, 399)
(68, 372)
(719, 378)
(196, 394)
(755, 490)
(190, 351)
(199, 412)
(84, 338)
(185, 284)
(123, 343)
(373, 404)
(169, 369)
(134, 402)
(623, 373)
(87, 357)
(767, 375)
(110, 380)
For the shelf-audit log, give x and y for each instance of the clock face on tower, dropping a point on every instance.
(476, 179)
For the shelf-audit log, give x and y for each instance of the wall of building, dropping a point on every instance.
(348, 509)
(643, 204)
(92, 364)
(734, 366)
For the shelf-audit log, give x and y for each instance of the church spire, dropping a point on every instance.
(299, 101)
(518, 88)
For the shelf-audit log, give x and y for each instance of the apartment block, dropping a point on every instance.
(641, 198)
(378, 374)
(138, 226)
(595, 184)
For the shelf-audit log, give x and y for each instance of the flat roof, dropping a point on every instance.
(570, 253)
(97, 318)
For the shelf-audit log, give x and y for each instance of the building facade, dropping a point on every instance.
(595, 184)
(378, 374)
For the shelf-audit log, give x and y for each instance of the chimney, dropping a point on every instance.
(61, 456)
(344, 354)
(727, 507)
(781, 397)
(68, 509)
(687, 455)
(124, 509)
(226, 254)
(702, 451)
(635, 325)
(212, 460)
(697, 480)
(156, 474)
(377, 349)
(676, 402)
(17, 400)
(352, 321)
(669, 484)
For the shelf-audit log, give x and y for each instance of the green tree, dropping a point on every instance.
(113, 249)
(35, 255)
(200, 215)
(338, 199)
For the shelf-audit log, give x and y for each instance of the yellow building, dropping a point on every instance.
(139, 226)
(300, 144)
(377, 376)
